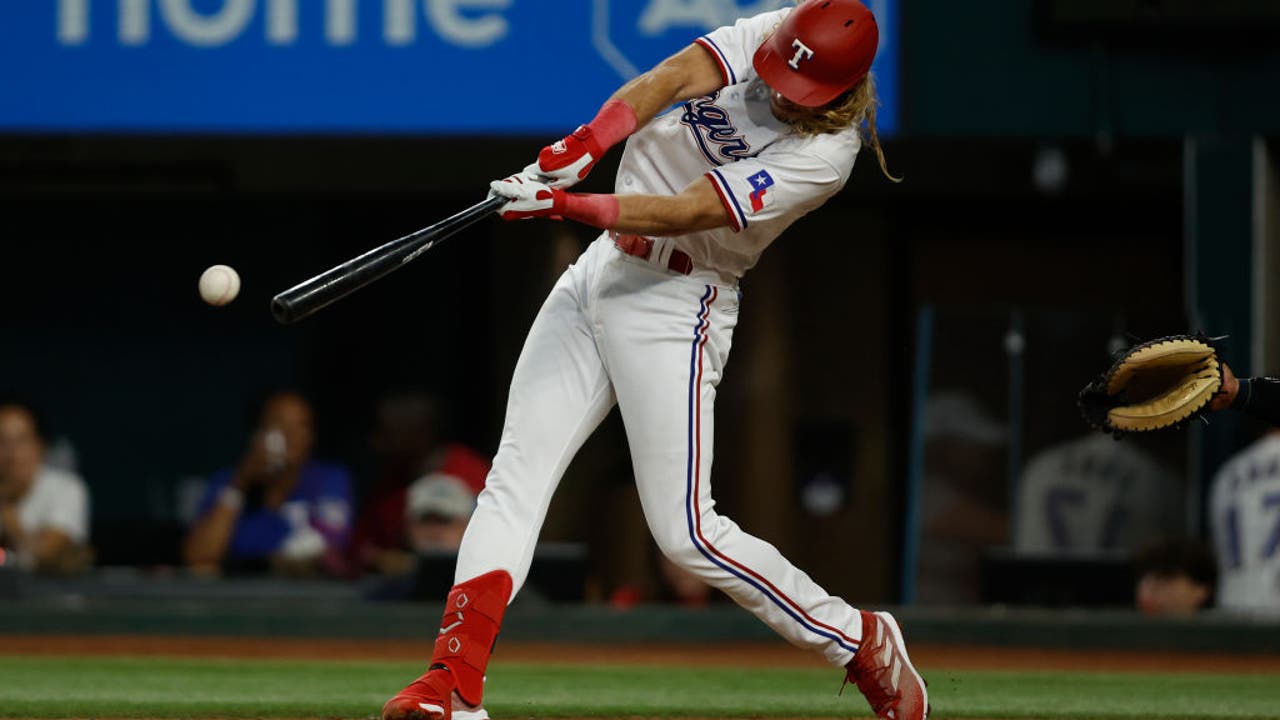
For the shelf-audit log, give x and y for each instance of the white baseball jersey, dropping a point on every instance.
(1092, 495)
(766, 176)
(57, 500)
(626, 331)
(1244, 507)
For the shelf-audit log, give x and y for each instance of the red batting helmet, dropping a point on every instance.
(822, 49)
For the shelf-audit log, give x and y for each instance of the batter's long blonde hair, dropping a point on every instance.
(855, 108)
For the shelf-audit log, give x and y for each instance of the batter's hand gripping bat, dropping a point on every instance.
(336, 283)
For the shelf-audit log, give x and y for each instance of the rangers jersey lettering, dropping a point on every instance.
(713, 128)
(766, 175)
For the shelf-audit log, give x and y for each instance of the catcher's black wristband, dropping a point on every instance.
(1260, 397)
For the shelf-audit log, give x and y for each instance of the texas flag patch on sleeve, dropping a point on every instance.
(760, 184)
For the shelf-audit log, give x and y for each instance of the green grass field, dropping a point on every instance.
(105, 687)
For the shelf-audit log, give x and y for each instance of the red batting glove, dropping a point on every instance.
(565, 162)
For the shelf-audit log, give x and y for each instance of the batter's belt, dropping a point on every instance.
(642, 247)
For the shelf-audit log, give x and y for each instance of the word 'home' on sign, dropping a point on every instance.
(467, 23)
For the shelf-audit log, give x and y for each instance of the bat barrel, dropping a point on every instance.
(336, 283)
(333, 284)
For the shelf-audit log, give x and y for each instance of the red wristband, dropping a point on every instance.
(590, 209)
(613, 124)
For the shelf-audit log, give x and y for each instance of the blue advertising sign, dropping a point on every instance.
(348, 66)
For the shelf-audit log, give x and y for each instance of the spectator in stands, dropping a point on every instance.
(1092, 495)
(277, 508)
(1244, 513)
(437, 508)
(1174, 578)
(407, 443)
(44, 512)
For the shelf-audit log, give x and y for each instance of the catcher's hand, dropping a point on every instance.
(1159, 384)
(1230, 388)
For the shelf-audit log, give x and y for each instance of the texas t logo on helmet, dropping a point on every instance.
(820, 51)
(803, 52)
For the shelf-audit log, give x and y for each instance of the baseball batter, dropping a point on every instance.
(768, 119)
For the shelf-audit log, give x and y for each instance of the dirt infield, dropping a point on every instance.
(732, 655)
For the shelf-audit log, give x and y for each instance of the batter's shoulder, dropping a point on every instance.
(836, 151)
(733, 46)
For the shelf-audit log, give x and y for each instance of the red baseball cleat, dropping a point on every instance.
(883, 672)
(422, 700)
(468, 630)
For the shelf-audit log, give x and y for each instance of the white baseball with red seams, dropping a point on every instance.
(617, 329)
(219, 285)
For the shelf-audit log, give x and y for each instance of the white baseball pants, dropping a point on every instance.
(618, 329)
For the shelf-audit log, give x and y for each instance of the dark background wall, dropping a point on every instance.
(1129, 68)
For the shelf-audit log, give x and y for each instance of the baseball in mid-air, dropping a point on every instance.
(219, 285)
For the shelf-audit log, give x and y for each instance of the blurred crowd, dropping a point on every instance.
(1088, 520)
(278, 509)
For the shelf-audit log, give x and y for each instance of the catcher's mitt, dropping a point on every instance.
(1159, 384)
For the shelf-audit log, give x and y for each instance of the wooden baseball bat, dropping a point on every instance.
(336, 283)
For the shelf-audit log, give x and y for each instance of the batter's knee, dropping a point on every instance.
(678, 548)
